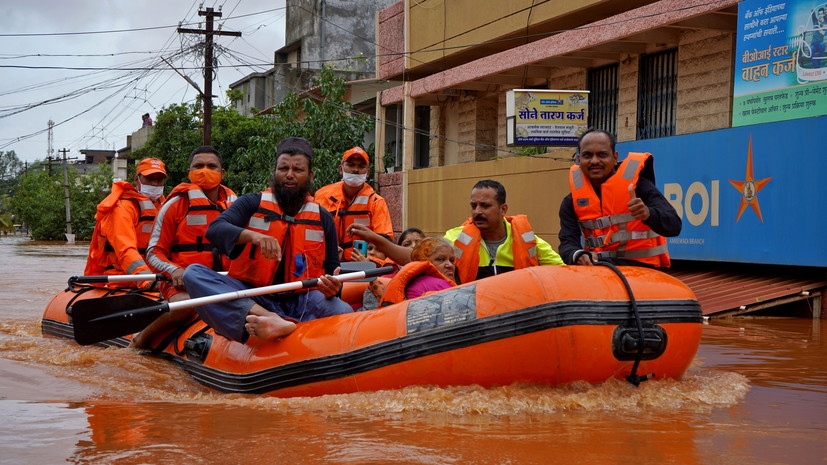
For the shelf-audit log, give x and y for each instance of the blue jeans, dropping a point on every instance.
(228, 318)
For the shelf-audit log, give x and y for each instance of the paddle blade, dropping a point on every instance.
(95, 320)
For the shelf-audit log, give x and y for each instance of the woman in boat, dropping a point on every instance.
(410, 237)
(431, 270)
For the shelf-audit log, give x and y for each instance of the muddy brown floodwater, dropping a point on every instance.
(756, 394)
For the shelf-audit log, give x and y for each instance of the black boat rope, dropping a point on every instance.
(633, 377)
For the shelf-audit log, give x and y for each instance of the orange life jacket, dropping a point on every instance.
(524, 250)
(102, 258)
(395, 290)
(191, 245)
(333, 199)
(383, 262)
(303, 234)
(608, 227)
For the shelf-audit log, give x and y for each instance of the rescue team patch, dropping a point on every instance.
(442, 309)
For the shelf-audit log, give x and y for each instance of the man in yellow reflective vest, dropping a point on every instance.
(490, 243)
(486, 244)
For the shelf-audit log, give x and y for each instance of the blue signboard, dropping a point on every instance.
(753, 194)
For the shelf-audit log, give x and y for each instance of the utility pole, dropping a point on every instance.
(49, 163)
(70, 238)
(209, 32)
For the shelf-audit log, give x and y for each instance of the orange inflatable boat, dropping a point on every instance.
(548, 325)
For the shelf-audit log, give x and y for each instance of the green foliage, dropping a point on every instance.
(39, 202)
(234, 96)
(10, 169)
(176, 132)
(327, 123)
(248, 144)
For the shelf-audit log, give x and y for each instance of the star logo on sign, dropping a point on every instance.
(749, 188)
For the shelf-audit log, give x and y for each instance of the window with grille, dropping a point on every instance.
(422, 139)
(603, 95)
(657, 94)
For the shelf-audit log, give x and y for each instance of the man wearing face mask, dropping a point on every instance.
(353, 201)
(123, 222)
(178, 237)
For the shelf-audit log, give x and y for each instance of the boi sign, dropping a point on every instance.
(697, 204)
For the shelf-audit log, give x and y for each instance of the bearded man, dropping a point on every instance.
(276, 236)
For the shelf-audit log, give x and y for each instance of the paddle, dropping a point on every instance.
(119, 278)
(96, 320)
(116, 278)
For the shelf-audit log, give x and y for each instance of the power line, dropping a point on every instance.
(115, 31)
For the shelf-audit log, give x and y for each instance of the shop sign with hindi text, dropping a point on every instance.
(546, 117)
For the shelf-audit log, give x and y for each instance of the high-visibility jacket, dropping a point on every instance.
(301, 239)
(178, 239)
(523, 250)
(395, 290)
(608, 227)
(368, 208)
(123, 223)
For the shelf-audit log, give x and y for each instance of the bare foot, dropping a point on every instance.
(268, 327)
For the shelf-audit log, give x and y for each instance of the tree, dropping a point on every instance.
(38, 202)
(177, 132)
(248, 144)
(10, 169)
(328, 123)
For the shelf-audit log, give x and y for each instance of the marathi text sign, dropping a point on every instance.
(780, 63)
(546, 117)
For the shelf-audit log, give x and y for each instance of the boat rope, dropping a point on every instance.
(633, 377)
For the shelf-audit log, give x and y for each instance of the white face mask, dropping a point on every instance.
(153, 192)
(353, 179)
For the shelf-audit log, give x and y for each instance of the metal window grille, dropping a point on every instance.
(603, 96)
(657, 94)
(422, 140)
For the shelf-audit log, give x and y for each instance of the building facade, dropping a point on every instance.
(724, 94)
(336, 33)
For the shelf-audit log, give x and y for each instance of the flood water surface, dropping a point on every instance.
(756, 393)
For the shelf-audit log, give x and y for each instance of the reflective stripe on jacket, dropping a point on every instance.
(118, 245)
(607, 225)
(178, 239)
(523, 251)
(301, 239)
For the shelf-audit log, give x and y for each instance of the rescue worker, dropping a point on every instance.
(615, 212)
(353, 201)
(488, 243)
(276, 236)
(179, 236)
(123, 222)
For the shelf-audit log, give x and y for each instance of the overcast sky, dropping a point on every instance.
(98, 108)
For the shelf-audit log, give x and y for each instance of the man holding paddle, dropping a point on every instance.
(276, 236)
